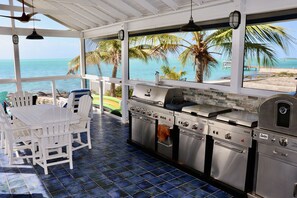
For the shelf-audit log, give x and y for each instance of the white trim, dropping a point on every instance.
(44, 32)
(238, 36)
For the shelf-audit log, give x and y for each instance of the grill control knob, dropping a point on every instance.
(228, 136)
(149, 113)
(273, 140)
(185, 124)
(132, 108)
(283, 142)
(195, 127)
(155, 115)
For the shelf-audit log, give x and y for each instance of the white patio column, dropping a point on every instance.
(125, 65)
(238, 49)
(16, 53)
(82, 61)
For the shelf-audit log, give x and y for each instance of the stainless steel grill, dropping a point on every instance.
(193, 127)
(148, 112)
(276, 139)
(232, 135)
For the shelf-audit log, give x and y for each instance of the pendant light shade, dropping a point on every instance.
(191, 26)
(34, 35)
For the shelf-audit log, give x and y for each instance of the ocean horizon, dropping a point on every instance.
(138, 71)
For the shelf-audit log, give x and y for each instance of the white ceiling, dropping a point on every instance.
(87, 14)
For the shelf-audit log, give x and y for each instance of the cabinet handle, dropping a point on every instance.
(295, 190)
(230, 148)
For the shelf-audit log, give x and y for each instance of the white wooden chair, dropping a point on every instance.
(51, 140)
(19, 99)
(84, 107)
(70, 101)
(17, 137)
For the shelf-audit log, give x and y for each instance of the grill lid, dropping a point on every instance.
(156, 95)
(243, 118)
(205, 110)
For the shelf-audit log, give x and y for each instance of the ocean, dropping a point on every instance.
(138, 71)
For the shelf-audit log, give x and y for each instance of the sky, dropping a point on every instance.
(49, 47)
(69, 47)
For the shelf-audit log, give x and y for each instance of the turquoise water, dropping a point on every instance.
(138, 71)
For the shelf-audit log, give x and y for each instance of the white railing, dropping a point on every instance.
(102, 81)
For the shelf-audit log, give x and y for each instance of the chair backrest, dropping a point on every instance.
(55, 135)
(77, 94)
(20, 99)
(84, 106)
(70, 101)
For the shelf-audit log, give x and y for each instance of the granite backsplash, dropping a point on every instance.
(216, 97)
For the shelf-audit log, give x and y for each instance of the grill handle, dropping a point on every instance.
(230, 148)
(295, 190)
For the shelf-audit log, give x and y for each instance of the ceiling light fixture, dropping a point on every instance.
(34, 35)
(191, 26)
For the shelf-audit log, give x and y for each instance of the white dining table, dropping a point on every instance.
(36, 116)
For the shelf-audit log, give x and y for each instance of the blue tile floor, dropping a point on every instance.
(112, 168)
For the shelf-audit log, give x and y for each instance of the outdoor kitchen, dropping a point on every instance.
(234, 141)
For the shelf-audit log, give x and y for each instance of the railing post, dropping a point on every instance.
(54, 92)
(101, 96)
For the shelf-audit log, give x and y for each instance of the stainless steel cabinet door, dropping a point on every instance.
(192, 150)
(276, 178)
(136, 129)
(144, 131)
(229, 164)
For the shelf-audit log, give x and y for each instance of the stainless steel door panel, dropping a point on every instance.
(148, 131)
(277, 172)
(229, 164)
(143, 131)
(275, 178)
(136, 126)
(192, 150)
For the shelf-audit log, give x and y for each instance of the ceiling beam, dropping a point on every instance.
(79, 10)
(109, 9)
(95, 11)
(75, 15)
(27, 9)
(198, 2)
(125, 7)
(44, 32)
(145, 4)
(75, 18)
(171, 3)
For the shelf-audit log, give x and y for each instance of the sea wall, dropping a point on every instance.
(216, 97)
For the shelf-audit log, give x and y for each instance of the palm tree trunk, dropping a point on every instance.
(112, 85)
(199, 71)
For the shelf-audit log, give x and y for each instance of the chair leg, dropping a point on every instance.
(10, 153)
(2, 139)
(89, 135)
(34, 149)
(44, 162)
(69, 150)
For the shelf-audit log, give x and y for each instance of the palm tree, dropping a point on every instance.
(143, 48)
(170, 73)
(258, 44)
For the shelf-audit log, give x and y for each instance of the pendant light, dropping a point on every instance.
(191, 26)
(34, 35)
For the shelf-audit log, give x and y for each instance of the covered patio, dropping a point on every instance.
(115, 167)
(112, 168)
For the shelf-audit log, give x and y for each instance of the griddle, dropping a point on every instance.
(243, 118)
(205, 110)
